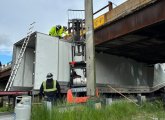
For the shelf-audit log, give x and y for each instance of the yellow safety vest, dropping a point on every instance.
(53, 32)
(50, 89)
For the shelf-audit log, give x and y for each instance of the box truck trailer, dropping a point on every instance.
(46, 54)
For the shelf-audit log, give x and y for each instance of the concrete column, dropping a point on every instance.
(90, 48)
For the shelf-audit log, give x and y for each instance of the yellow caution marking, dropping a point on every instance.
(99, 21)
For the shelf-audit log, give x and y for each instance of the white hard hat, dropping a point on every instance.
(49, 76)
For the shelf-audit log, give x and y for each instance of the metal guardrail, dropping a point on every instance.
(100, 20)
(107, 6)
(120, 11)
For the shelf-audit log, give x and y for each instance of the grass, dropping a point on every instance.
(121, 110)
(6, 109)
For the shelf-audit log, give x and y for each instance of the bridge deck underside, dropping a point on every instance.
(139, 36)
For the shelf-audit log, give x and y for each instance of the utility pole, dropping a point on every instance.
(90, 48)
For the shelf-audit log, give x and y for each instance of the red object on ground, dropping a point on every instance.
(71, 99)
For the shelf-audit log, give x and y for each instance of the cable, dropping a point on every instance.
(122, 95)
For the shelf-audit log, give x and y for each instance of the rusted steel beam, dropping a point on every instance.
(147, 16)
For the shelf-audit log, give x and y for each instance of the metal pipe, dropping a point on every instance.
(109, 5)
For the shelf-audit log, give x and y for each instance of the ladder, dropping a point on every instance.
(19, 59)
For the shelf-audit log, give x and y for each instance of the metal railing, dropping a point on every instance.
(109, 5)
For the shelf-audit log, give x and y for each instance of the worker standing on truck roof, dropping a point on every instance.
(54, 31)
(50, 89)
(58, 31)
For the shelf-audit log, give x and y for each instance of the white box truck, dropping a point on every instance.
(46, 54)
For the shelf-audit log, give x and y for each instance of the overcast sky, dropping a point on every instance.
(16, 15)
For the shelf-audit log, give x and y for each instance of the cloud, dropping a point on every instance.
(4, 39)
(5, 45)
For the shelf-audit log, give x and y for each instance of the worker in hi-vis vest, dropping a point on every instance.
(50, 89)
(63, 31)
(54, 31)
(58, 31)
